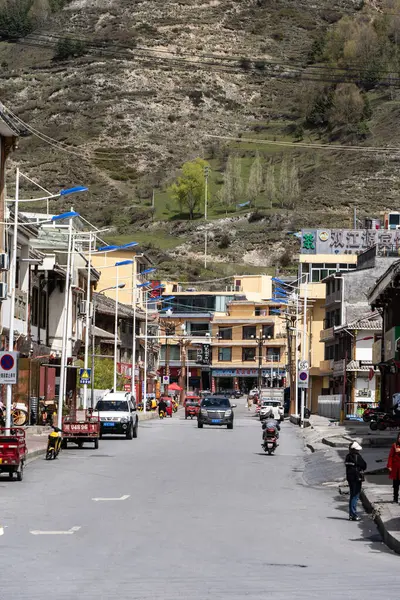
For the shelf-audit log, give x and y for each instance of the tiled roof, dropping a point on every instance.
(354, 365)
(371, 321)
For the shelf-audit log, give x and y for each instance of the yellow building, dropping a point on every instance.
(127, 274)
(249, 346)
(315, 347)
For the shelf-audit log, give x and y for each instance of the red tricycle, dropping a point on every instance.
(81, 426)
(192, 406)
(13, 451)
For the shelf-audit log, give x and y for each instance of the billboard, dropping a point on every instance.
(347, 241)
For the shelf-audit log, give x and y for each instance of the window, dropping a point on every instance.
(192, 355)
(225, 333)
(35, 306)
(259, 311)
(173, 353)
(199, 329)
(268, 331)
(248, 354)
(249, 332)
(43, 310)
(224, 354)
(122, 326)
(273, 354)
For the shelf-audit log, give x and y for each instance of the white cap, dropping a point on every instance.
(356, 446)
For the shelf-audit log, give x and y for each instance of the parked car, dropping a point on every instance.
(216, 410)
(118, 416)
(267, 404)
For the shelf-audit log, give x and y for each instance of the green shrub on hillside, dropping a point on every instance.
(15, 21)
(68, 48)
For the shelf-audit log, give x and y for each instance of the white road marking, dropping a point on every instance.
(1, 530)
(111, 499)
(69, 532)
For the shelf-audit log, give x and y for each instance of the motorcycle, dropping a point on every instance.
(384, 421)
(370, 414)
(270, 440)
(54, 444)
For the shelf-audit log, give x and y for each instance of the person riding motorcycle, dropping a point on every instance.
(269, 424)
(162, 406)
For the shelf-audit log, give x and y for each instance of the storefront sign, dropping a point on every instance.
(347, 241)
(247, 372)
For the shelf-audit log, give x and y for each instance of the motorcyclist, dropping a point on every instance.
(270, 423)
(162, 406)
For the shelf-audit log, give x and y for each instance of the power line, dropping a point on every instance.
(371, 149)
(324, 73)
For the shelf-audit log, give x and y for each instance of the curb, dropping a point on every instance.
(390, 541)
(34, 454)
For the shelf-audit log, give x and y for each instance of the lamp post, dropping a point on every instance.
(65, 320)
(118, 264)
(260, 339)
(13, 270)
(120, 285)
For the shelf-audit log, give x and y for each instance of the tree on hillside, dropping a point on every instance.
(348, 105)
(189, 189)
(233, 179)
(270, 186)
(255, 183)
(288, 184)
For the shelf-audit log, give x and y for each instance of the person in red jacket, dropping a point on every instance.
(393, 466)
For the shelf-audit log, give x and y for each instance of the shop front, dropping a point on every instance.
(246, 379)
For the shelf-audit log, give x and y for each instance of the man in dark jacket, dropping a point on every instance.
(355, 467)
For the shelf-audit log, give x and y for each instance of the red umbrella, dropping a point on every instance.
(174, 387)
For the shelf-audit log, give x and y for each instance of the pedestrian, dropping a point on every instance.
(393, 465)
(355, 467)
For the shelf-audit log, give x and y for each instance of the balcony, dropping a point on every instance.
(333, 298)
(326, 366)
(327, 334)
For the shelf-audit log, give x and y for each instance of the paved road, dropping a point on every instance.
(208, 516)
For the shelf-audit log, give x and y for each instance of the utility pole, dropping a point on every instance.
(206, 174)
(304, 349)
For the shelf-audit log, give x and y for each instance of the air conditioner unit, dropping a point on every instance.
(3, 290)
(3, 261)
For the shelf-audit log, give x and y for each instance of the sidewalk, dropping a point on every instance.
(329, 442)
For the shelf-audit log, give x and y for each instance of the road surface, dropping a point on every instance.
(186, 513)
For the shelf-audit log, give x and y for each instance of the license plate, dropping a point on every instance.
(108, 424)
(216, 421)
(270, 445)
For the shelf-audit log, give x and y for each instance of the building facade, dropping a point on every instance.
(249, 346)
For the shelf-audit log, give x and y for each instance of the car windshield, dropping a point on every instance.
(114, 405)
(215, 402)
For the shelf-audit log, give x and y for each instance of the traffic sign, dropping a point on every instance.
(85, 376)
(165, 379)
(303, 365)
(303, 379)
(8, 367)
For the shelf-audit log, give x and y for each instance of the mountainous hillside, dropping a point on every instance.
(118, 94)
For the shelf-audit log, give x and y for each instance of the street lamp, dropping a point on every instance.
(112, 287)
(70, 215)
(118, 264)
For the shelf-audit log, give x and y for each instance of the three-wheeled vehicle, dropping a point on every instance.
(13, 451)
(192, 406)
(81, 426)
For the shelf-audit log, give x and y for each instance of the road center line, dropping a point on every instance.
(69, 532)
(111, 499)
